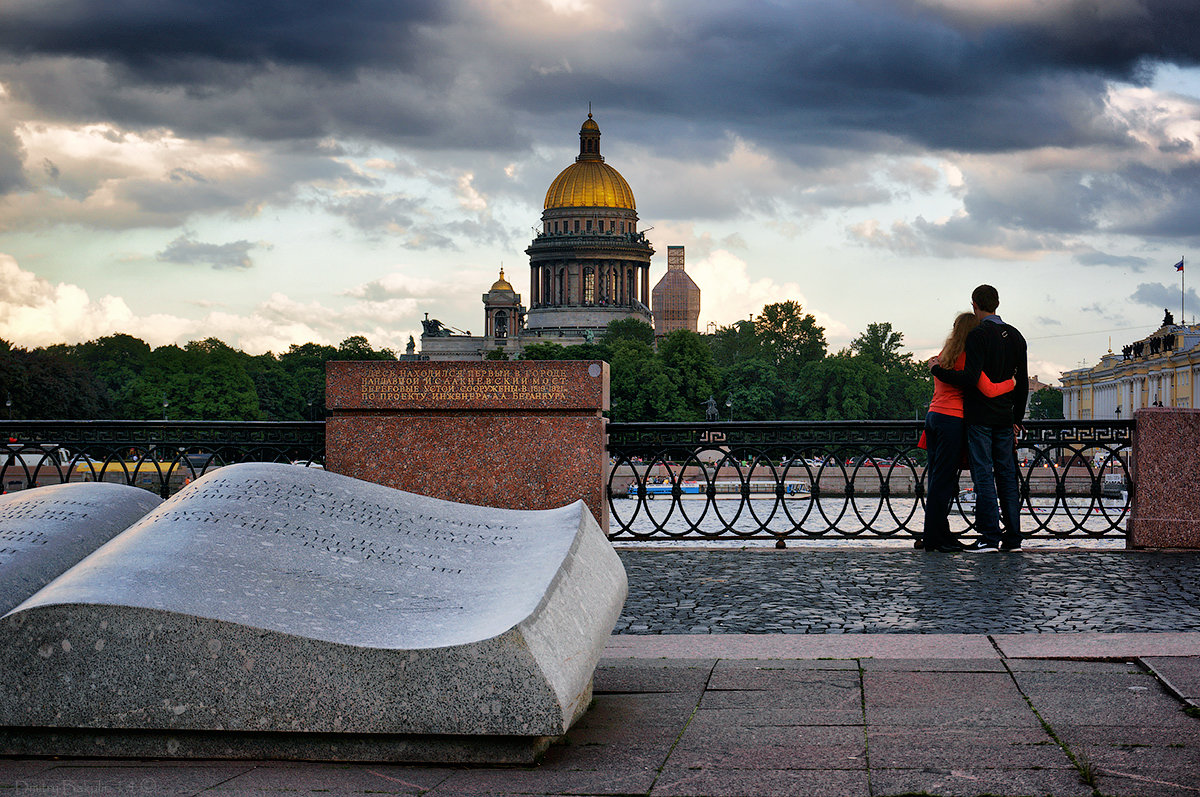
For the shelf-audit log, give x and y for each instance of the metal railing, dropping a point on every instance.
(160, 456)
(858, 479)
(743, 480)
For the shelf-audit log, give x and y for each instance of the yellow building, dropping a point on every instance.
(1158, 370)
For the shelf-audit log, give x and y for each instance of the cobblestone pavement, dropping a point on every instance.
(837, 592)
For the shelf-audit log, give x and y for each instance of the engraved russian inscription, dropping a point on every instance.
(486, 386)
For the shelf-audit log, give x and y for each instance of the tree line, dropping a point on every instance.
(775, 366)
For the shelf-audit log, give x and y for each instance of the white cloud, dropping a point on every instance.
(728, 293)
(35, 312)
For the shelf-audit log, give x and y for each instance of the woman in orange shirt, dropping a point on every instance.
(944, 437)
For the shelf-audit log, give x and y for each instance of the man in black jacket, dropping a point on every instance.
(998, 350)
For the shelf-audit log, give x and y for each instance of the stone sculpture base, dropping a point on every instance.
(252, 746)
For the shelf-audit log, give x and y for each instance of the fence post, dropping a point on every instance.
(1166, 465)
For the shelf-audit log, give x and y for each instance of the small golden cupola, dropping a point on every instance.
(501, 284)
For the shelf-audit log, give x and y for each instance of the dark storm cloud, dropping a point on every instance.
(189, 251)
(1155, 294)
(176, 40)
(831, 71)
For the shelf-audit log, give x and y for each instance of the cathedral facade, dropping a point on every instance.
(589, 264)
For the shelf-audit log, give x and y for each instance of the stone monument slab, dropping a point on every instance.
(518, 435)
(293, 612)
(47, 530)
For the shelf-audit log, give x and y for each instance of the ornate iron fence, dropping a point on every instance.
(778, 480)
(796, 480)
(160, 456)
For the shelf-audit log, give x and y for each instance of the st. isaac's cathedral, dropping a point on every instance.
(588, 265)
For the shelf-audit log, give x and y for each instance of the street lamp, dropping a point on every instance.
(8, 404)
(729, 404)
(165, 405)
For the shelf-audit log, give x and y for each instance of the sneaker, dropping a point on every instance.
(1015, 545)
(947, 547)
(982, 546)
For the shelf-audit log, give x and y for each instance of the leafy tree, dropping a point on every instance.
(495, 354)
(306, 365)
(881, 344)
(544, 351)
(790, 336)
(279, 396)
(688, 362)
(627, 329)
(735, 344)
(356, 347)
(840, 388)
(754, 390)
(1046, 404)
(640, 389)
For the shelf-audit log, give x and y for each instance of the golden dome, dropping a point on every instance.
(501, 284)
(589, 182)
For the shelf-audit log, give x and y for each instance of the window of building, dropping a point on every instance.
(589, 285)
(589, 225)
(576, 225)
(622, 226)
(501, 324)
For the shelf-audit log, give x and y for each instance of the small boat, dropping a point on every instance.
(663, 488)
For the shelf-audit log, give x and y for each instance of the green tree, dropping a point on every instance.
(279, 396)
(1046, 404)
(753, 389)
(735, 344)
(356, 347)
(880, 344)
(543, 351)
(627, 329)
(640, 389)
(495, 354)
(790, 337)
(688, 362)
(306, 365)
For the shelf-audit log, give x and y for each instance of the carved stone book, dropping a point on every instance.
(271, 610)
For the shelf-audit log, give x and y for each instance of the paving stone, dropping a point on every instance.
(129, 779)
(933, 665)
(292, 777)
(956, 699)
(761, 783)
(623, 676)
(731, 592)
(1181, 673)
(707, 745)
(968, 782)
(953, 748)
(1066, 665)
(1132, 699)
(613, 780)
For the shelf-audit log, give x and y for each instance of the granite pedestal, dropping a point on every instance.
(275, 611)
(519, 435)
(1166, 497)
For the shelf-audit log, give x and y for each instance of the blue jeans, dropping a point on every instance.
(943, 446)
(994, 472)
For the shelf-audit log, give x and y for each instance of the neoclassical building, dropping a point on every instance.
(588, 265)
(1158, 370)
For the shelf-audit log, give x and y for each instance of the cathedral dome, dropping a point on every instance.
(501, 284)
(589, 182)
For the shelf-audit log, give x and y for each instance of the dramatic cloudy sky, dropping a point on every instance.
(279, 171)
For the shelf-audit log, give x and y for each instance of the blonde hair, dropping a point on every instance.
(956, 342)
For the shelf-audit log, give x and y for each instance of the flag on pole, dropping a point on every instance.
(1179, 265)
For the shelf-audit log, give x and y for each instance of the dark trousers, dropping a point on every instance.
(943, 444)
(994, 472)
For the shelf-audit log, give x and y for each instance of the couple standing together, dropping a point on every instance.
(981, 379)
